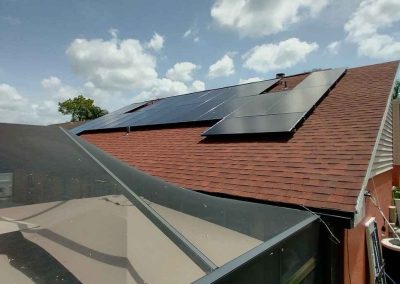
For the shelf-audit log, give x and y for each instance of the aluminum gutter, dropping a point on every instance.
(360, 205)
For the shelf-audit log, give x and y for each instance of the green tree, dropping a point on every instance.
(81, 108)
(396, 91)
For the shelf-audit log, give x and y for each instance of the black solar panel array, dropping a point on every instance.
(280, 111)
(200, 106)
(242, 109)
(106, 119)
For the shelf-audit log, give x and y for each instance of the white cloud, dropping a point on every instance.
(285, 54)
(10, 99)
(263, 17)
(113, 32)
(113, 70)
(182, 71)
(46, 112)
(192, 33)
(114, 64)
(16, 108)
(107, 99)
(163, 88)
(333, 47)
(156, 43)
(222, 68)
(167, 88)
(51, 83)
(57, 90)
(371, 17)
(250, 80)
(187, 33)
(198, 86)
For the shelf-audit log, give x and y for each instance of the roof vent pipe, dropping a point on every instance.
(280, 75)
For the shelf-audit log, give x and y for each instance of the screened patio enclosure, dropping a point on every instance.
(71, 213)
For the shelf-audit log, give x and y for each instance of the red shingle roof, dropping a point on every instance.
(322, 166)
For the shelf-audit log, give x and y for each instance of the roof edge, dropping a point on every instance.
(339, 218)
(250, 255)
(360, 204)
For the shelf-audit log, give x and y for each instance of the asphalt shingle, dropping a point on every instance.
(322, 166)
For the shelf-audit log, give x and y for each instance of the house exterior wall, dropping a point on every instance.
(355, 257)
(396, 141)
(383, 159)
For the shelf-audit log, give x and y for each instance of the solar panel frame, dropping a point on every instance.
(116, 121)
(323, 77)
(275, 123)
(177, 109)
(188, 109)
(220, 97)
(130, 107)
(298, 100)
(145, 118)
(101, 122)
(251, 89)
(264, 114)
(259, 105)
(226, 108)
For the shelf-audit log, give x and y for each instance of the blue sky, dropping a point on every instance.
(117, 52)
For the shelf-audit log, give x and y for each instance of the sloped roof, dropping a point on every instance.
(323, 165)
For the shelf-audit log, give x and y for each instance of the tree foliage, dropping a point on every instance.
(81, 108)
(396, 91)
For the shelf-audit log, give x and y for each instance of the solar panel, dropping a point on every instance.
(243, 105)
(259, 105)
(298, 100)
(177, 115)
(280, 111)
(129, 108)
(224, 108)
(142, 118)
(224, 101)
(107, 119)
(319, 78)
(189, 110)
(256, 124)
(251, 89)
(173, 109)
(116, 121)
(199, 106)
